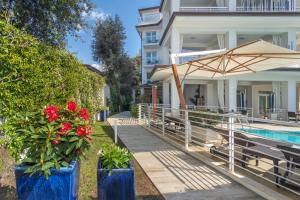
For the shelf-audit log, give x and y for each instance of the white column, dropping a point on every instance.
(298, 99)
(174, 95)
(292, 40)
(221, 93)
(166, 93)
(232, 5)
(210, 95)
(232, 39)
(276, 89)
(292, 85)
(175, 43)
(175, 5)
(232, 87)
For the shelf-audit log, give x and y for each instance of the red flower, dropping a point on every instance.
(84, 113)
(84, 130)
(56, 141)
(89, 130)
(51, 112)
(72, 106)
(81, 131)
(65, 127)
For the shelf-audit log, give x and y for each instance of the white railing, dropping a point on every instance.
(188, 58)
(150, 18)
(149, 40)
(203, 9)
(238, 9)
(259, 9)
(267, 149)
(151, 61)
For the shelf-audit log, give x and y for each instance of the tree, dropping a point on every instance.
(48, 21)
(108, 42)
(108, 49)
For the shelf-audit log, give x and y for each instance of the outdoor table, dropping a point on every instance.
(264, 152)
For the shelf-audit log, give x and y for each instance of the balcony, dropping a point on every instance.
(150, 41)
(150, 19)
(238, 9)
(261, 9)
(152, 61)
(204, 9)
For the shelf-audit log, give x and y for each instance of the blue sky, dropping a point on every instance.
(128, 12)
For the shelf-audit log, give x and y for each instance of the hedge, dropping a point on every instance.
(33, 74)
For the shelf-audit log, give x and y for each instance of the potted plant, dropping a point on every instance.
(48, 146)
(115, 174)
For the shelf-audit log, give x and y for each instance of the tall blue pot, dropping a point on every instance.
(117, 186)
(61, 185)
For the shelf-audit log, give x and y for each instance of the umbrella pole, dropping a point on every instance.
(179, 87)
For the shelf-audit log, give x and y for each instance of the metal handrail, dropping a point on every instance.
(204, 9)
(192, 126)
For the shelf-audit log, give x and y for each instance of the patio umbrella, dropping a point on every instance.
(248, 58)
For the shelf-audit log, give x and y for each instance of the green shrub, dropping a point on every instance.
(33, 74)
(134, 110)
(1, 165)
(114, 157)
(204, 118)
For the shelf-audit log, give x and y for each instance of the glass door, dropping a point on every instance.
(263, 105)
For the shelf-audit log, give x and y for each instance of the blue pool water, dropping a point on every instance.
(284, 136)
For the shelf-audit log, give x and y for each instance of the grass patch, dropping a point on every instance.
(88, 169)
(1, 165)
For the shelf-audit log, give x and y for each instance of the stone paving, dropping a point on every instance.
(176, 174)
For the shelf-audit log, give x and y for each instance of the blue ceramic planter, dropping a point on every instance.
(61, 185)
(117, 186)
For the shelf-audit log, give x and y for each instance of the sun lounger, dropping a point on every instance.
(292, 155)
(253, 147)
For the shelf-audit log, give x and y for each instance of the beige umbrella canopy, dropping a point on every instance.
(248, 58)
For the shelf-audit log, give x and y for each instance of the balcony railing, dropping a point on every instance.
(150, 18)
(203, 9)
(259, 9)
(150, 40)
(152, 61)
(188, 58)
(238, 9)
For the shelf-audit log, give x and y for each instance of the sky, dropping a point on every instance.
(128, 12)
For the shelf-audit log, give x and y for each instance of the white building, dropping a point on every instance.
(178, 26)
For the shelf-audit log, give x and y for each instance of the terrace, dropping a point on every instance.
(260, 152)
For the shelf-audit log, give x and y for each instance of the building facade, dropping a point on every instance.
(178, 26)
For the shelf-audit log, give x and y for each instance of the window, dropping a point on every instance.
(148, 76)
(151, 57)
(151, 37)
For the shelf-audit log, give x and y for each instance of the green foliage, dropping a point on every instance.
(49, 21)
(108, 48)
(50, 138)
(114, 157)
(204, 118)
(134, 110)
(1, 165)
(33, 74)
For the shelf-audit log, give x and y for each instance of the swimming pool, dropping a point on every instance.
(284, 136)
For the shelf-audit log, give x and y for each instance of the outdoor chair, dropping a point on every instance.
(292, 155)
(292, 116)
(174, 124)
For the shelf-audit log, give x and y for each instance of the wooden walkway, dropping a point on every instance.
(176, 175)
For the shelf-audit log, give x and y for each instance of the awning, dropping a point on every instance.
(249, 58)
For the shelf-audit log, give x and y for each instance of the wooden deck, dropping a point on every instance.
(176, 174)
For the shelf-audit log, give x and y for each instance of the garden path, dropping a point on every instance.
(177, 175)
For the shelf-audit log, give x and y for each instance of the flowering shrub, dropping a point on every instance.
(51, 138)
